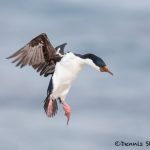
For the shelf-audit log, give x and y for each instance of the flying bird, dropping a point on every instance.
(63, 68)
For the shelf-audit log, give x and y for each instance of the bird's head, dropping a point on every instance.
(105, 69)
(97, 63)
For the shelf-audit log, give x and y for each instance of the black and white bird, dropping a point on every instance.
(63, 68)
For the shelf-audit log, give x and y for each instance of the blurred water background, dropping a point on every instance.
(104, 108)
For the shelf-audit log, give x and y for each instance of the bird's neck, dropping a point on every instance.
(90, 63)
(87, 59)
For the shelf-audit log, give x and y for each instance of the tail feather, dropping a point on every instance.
(54, 105)
(46, 102)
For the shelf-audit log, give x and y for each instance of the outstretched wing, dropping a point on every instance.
(39, 53)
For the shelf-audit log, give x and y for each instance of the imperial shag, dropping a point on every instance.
(63, 68)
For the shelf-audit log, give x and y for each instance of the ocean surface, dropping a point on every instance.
(105, 108)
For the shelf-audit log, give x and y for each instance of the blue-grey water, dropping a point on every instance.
(105, 109)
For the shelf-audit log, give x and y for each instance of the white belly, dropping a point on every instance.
(65, 72)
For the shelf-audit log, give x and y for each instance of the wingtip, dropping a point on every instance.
(43, 33)
(64, 44)
(8, 57)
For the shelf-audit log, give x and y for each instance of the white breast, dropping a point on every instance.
(65, 72)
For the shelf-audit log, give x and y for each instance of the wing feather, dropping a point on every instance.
(38, 53)
(40, 67)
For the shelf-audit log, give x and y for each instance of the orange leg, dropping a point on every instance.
(50, 108)
(67, 110)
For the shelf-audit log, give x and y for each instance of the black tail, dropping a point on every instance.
(47, 99)
(46, 102)
(54, 106)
